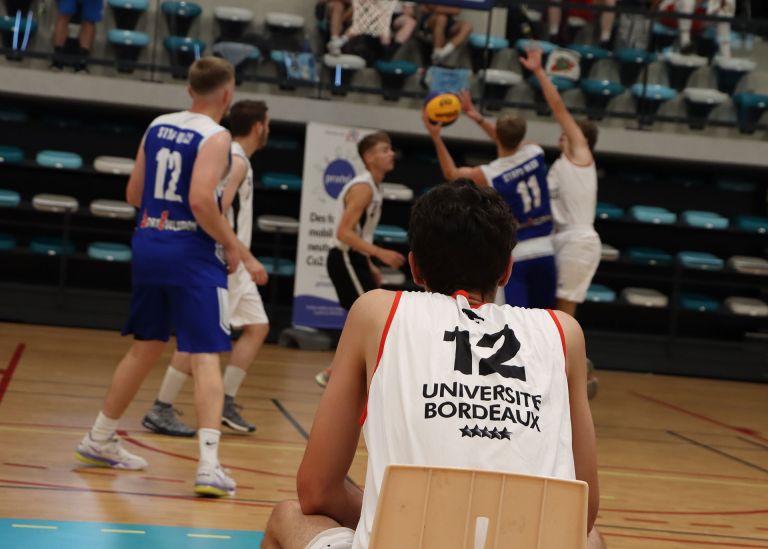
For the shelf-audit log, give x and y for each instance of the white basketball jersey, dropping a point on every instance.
(456, 386)
(240, 214)
(573, 191)
(370, 218)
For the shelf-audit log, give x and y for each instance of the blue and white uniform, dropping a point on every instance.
(178, 271)
(521, 179)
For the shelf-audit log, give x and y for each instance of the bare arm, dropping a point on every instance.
(578, 148)
(135, 187)
(582, 427)
(234, 180)
(447, 165)
(472, 113)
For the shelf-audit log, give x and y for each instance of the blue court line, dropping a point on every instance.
(34, 534)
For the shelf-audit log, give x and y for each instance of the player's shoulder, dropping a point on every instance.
(374, 304)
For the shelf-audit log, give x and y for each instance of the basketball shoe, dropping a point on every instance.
(231, 417)
(213, 481)
(108, 453)
(162, 420)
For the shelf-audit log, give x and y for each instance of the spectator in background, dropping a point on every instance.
(722, 8)
(607, 18)
(91, 12)
(447, 32)
(338, 13)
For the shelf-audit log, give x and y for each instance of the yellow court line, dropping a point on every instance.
(208, 536)
(684, 479)
(111, 531)
(607, 497)
(35, 526)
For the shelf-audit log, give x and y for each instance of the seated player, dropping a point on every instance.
(398, 349)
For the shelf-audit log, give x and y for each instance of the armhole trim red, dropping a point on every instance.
(562, 338)
(383, 340)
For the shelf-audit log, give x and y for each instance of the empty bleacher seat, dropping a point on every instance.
(699, 102)
(391, 234)
(588, 54)
(748, 265)
(477, 46)
(128, 45)
(749, 108)
(109, 251)
(752, 223)
(341, 68)
(179, 16)
(609, 253)
(239, 54)
(705, 220)
(644, 297)
(13, 115)
(497, 85)
(59, 159)
(112, 208)
(650, 97)
(631, 60)
(680, 68)
(647, 256)
(127, 12)
(663, 36)
(396, 191)
(277, 224)
(562, 85)
(285, 30)
(393, 75)
(9, 199)
(7, 242)
(698, 302)
(282, 181)
(232, 21)
(51, 246)
(598, 94)
(597, 293)
(606, 210)
(729, 72)
(735, 186)
(16, 34)
(652, 214)
(113, 164)
(11, 155)
(58, 203)
(279, 267)
(700, 260)
(745, 306)
(183, 51)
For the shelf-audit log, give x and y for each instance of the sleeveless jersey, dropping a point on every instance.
(456, 386)
(370, 218)
(521, 179)
(169, 248)
(240, 215)
(573, 189)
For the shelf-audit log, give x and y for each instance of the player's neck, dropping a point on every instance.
(377, 175)
(502, 152)
(248, 145)
(205, 109)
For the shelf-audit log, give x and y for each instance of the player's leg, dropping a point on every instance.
(161, 418)
(289, 528)
(685, 25)
(554, 16)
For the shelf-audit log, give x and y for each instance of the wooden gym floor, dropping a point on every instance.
(683, 462)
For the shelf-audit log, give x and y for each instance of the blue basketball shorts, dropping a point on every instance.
(533, 283)
(92, 11)
(198, 315)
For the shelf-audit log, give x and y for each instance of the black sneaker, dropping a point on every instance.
(231, 416)
(162, 419)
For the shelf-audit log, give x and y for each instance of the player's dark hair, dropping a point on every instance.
(510, 130)
(370, 141)
(208, 74)
(244, 114)
(590, 131)
(461, 236)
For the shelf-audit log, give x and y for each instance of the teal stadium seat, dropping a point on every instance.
(12, 115)
(285, 30)
(631, 61)
(652, 214)
(730, 70)
(239, 54)
(736, 186)
(598, 94)
(647, 256)
(109, 251)
(700, 260)
(285, 267)
(663, 36)
(477, 43)
(127, 12)
(282, 144)
(649, 98)
(588, 55)
(282, 181)
(606, 210)
(182, 51)
(51, 246)
(9, 199)
(749, 108)
(597, 293)
(523, 44)
(11, 155)
(752, 223)
(699, 103)
(277, 224)
(699, 302)
(390, 234)
(16, 34)
(233, 21)
(179, 16)
(61, 160)
(680, 68)
(7, 242)
(393, 75)
(128, 45)
(705, 220)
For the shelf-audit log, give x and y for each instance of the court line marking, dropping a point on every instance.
(709, 525)
(678, 532)
(25, 465)
(758, 444)
(683, 473)
(115, 531)
(35, 526)
(717, 451)
(684, 541)
(684, 513)
(208, 536)
(682, 479)
(10, 369)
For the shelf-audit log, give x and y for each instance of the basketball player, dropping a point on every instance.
(182, 249)
(519, 175)
(249, 126)
(419, 372)
(358, 212)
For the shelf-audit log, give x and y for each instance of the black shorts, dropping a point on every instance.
(351, 275)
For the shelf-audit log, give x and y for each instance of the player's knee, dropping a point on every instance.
(284, 515)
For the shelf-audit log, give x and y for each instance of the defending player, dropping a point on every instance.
(249, 126)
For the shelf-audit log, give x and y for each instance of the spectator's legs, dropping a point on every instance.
(554, 14)
(87, 33)
(60, 31)
(685, 6)
(337, 12)
(606, 22)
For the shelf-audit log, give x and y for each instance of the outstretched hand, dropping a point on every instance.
(532, 60)
(433, 128)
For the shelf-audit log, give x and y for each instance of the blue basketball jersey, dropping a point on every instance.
(169, 248)
(521, 179)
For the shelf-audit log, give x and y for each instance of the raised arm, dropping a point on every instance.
(578, 148)
(473, 114)
(447, 165)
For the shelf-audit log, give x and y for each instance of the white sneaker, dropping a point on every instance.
(334, 45)
(109, 453)
(213, 481)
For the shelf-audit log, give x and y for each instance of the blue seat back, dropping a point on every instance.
(705, 220)
(606, 210)
(285, 267)
(391, 233)
(51, 246)
(653, 214)
(11, 155)
(9, 199)
(700, 260)
(600, 294)
(284, 181)
(109, 251)
(698, 302)
(7, 242)
(648, 256)
(477, 40)
(59, 159)
(121, 37)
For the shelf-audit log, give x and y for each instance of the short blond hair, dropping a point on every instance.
(208, 74)
(510, 130)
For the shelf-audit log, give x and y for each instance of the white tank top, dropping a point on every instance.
(573, 191)
(370, 218)
(240, 214)
(481, 388)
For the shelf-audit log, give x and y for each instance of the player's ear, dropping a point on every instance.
(417, 278)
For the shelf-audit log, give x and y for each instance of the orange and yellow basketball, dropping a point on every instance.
(443, 108)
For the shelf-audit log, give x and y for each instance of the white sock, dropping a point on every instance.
(209, 446)
(103, 428)
(605, 35)
(554, 29)
(685, 37)
(173, 381)
(724, 38)
(233, 377)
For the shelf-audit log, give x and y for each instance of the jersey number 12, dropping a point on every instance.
(167, 161)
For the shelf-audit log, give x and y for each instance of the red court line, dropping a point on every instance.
(161, 479)
(695, 513)
(743, 430)
(707, 525)
(686, 473)
(10, 369)
(649, 521)
(24, 465)
(83, 471)
(688, 541)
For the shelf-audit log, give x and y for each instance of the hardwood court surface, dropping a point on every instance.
(683, 462)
